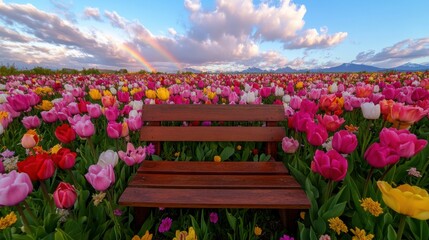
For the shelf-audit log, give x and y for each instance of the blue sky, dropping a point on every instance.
(168, 35)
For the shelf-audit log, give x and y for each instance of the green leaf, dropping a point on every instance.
(391, 233)
(156, 158)
(61, 235)
(335, 211)
(246, 154)
(226, 153)
(319, 226)
(231, 220)
(199, 153)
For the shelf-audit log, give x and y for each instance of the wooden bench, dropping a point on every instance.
(209, 184)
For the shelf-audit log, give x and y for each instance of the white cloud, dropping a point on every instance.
(193, 5)
(93, 13)
(312, 39)
(397, 54)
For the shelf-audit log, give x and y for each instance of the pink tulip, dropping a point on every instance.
(378, 155)
(330, 165)
(84, 128)
(101, 178)
(344, 142)
(134, 123)
(330, 122)
(2, 169)
(65, 195)
(405, 143)
(94, 110)
(309, 107)
(19, 102)
(289, 145)
(316, 134)
(14, 188)
(301, 120)
(132, 156)
(30, 122)
(265, 92)
(114, 130)
(73, 108)
(123, 97)
(33, 98)
(111, 113)
(295, 102)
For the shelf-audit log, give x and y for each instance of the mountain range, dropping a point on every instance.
(345, 67)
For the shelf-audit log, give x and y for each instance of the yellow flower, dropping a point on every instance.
(151, 94)
(94, 94)
(46, 105)
(302, 215)
(405, 199)
(55, 149)
(146, 236)
(43, 90)
(183, 235)
(107, 93)
(257, 231)
(217, 158)
(360, 234)
(3, 115)
(163, 93)
(135, 90)
(211, 95)
(299, 85)
(337, 225)
(238, 147)
(7, 220)
(371, 206)
(124, 89)
(177, 154)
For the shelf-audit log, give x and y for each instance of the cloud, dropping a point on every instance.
(312, 39)
(115, 19)
(12, 35)
(92, 13)
(229, 35)
(397, 54)
(193, 5)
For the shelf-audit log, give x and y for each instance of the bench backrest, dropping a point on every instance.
(270, 114)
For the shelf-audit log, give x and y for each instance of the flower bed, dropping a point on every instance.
(357, 144)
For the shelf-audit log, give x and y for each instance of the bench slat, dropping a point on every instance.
(191, 112)
(214, 181)
(205, 168)
(215, 198)
(201, 133)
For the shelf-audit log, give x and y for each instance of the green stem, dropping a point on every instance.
(401, 227)
(29, 210)
(387, 171)
(329, 190)
(24, 219)
(46, 193)
(70, 172)
(368, 178)
(91, 146)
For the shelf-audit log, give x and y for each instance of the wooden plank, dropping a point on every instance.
(215, 134)
(215, 112)
(215, 198)
(204, 168)
(214, 181)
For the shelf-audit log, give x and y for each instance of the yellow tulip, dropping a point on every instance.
(163, 93)
(257, 231)
(94, 94)
(46, 105)
(299, 85)
(405, 199)
(146, 236)
(151, 94)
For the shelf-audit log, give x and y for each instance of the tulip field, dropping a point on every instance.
(356, 143)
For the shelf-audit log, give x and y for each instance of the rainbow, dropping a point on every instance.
(164, 52)
(136, 55)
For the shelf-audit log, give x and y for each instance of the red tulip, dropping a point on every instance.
(64, 158)
(65, 133)
(38, 167)
(65, 195)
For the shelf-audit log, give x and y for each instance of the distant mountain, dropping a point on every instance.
(350, 67)
(285, 70)
(411, 67)
(192, 70)
(254, 70)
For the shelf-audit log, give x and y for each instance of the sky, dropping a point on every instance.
(212, 35)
